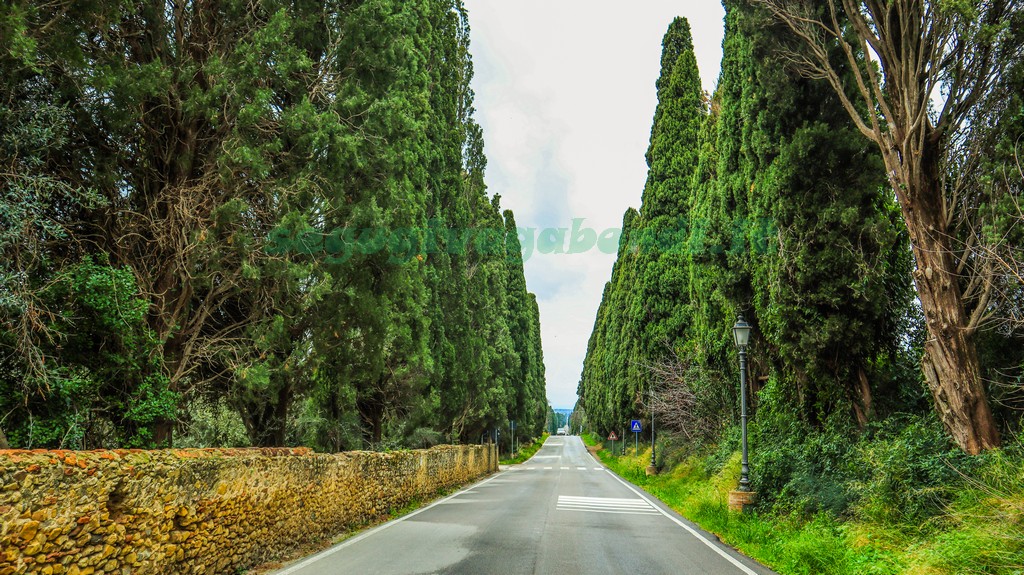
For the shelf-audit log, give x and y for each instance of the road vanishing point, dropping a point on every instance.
(560, 513)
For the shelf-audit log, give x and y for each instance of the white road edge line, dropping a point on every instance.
(323, 554)
(717, 549)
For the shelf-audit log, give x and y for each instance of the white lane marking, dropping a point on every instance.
(703, 539)
(324, 554)
(606, 500)
(584, 510)
(548, 467)
(642, 505)
(605, 505)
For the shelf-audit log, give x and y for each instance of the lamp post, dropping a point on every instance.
(741, 332)
(652, 469)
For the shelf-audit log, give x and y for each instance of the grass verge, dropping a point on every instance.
(980, 532)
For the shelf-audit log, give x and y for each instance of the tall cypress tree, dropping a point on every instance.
(485, 341)
(603, 382)
(659, 312)
(523, 324)
(831, 297)
(644, 314)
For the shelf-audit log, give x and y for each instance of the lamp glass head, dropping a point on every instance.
(741, 331)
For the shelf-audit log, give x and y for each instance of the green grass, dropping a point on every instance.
(981, 532)
(526, 452)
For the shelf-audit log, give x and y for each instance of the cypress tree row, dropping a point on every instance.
(789, 223)
(523, 322)
(606, 367)
(272, 210)
(792, 222)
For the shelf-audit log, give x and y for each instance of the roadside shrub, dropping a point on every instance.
(728, 444)
(211, 424)
(907, 471)
(800, 470)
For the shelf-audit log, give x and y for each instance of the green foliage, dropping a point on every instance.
(103, 386)
(642, 319)
(525, 453)
(177, 152)
(828, 290)
(212, 424)
(853, 472)
(975, 527)
(907, 471)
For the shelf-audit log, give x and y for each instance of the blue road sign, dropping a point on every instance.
(635, 426)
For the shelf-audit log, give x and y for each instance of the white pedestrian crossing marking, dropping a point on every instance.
(605, 505)
(548, 468)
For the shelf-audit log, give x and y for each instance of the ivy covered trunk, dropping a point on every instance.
(950, 363)
(371, 412)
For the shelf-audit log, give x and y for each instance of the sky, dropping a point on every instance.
(565, 94)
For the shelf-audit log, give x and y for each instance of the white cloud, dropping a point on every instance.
(565, 95)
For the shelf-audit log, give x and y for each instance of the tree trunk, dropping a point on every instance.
(163, 433)
(371, 411)
(267, 423)
(862, 402)
(3, 440)
(279, 432)
(950, 363)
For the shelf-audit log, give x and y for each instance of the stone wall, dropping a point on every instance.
(205, 511)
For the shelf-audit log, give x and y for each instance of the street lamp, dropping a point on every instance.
(741, 331)
(652, 469)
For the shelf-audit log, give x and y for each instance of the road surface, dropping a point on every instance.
(560, 513)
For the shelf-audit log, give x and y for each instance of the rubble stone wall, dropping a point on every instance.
(203, 511)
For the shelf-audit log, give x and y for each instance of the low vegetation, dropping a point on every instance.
(885, 354)
(901, 504)
(525, 453)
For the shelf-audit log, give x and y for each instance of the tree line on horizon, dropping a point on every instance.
(888, 296)
(149, 153)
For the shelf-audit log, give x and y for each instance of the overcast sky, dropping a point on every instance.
(565, 95)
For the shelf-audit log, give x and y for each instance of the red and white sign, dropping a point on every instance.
(612, 436)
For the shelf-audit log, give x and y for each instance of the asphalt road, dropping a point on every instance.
(561, 513)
